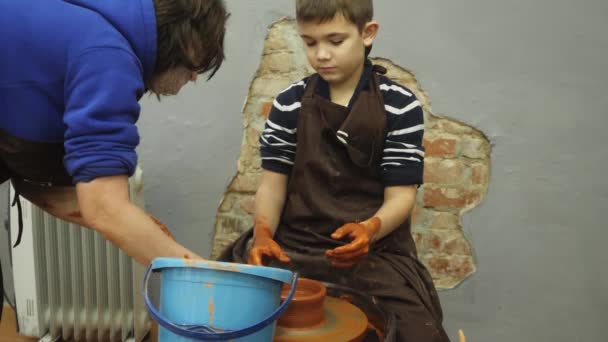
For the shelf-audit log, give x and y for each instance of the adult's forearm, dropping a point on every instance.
(138, 235)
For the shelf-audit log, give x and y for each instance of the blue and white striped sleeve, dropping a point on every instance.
(279, 138)
(403, 154)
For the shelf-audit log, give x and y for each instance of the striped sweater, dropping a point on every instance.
(403, 154)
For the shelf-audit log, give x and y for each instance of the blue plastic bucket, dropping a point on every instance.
(217, 301)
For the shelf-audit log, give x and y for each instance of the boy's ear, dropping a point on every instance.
(370, 31)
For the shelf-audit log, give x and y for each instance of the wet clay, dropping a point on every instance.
(74, 214)
(264, 246)
(162, 227)
(211, 310)
(307, 306)
(342, 322)
(362, 235)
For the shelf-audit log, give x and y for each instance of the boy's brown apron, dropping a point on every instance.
(332, 184)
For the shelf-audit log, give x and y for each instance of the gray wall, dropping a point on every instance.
(532, 75)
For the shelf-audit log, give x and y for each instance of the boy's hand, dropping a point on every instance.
(265, 246)
(362, 235)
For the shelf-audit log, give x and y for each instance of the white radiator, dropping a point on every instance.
(72, 284)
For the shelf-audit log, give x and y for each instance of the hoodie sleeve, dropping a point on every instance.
(102, 89)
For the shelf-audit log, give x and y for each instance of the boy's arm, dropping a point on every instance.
(397, 207)
(270, 199)
(277, 150)
(401, 171)
(402, 164)
(269, 202)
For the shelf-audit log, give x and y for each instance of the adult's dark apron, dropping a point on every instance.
(37, 163)
(335, 180)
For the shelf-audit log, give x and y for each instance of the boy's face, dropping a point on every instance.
(336, 48)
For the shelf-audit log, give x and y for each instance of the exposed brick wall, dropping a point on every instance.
(457, 164)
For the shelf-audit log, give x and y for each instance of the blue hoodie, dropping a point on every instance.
(73, 71)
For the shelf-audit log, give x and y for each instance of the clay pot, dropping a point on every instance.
(307, 306)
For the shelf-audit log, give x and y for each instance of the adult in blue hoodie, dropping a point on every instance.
(71, 75)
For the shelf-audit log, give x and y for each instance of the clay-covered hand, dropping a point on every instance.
(265, 246)
(362, 234)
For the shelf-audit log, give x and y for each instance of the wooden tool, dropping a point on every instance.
(461, 337)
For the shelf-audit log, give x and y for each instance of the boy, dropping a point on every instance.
(71, 75)
(342, 158)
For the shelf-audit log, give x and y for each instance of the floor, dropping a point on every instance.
(8, 331)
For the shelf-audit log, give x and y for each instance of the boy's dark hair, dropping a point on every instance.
(358, 12)
(190, 33)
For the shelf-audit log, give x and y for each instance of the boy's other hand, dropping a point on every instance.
(361, 234)
(265, 246)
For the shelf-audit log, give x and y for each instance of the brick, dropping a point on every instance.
(444, 220)
(247, 183)
(268, 86)
(457, 268)
(256, 165)
(435, 242)
(230, 225)
(431, 123)
(454, 127)
(252, 110)
(252, 137)
(418, 239)
(247, 204)
(432, 241)
(450, 198)
(249, 153)
(415, 214)
(266, 107)
(249, 160)
(275, 40)
(227, 203)
(446, 171)
(277, 62)
(457, 246)
(440, 147)
(475, 148)
(219, 245)
(480, 174)
(421, 217)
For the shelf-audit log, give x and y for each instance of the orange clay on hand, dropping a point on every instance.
(264, 245)
(75, 214)
(362, 235)
(164, 229)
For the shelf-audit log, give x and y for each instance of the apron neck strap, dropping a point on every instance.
(311, 86)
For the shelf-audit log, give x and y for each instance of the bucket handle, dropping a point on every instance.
(208, 333)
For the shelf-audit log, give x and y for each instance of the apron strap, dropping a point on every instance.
(379, 69)
(16, 200)
(311, 87)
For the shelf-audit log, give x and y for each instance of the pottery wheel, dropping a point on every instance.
(343, 322)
